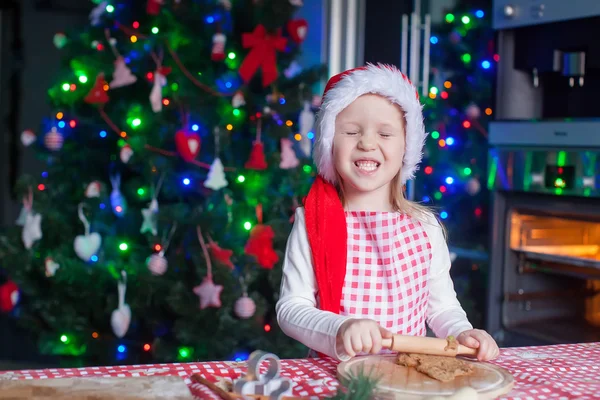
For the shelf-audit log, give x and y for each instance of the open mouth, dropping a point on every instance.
(367, 166)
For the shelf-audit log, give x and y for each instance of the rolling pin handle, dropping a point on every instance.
(388, 343)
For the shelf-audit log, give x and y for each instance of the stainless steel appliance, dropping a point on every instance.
(544, 162)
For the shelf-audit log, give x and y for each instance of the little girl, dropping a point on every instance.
(362, 262)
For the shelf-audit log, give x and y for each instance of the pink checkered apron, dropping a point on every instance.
(386, 272)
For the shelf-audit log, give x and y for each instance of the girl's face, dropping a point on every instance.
(368, 145)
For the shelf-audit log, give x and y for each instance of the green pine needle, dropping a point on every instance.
(359, 386)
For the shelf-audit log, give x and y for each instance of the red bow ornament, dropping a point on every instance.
(262, 54)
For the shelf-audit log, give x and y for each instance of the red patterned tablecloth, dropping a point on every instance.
(546, 372)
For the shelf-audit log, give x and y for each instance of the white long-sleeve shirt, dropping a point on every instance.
(297, 309)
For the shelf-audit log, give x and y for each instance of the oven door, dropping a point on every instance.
(544, 270)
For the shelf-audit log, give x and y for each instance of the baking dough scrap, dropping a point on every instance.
(452, 344)
(441, 368)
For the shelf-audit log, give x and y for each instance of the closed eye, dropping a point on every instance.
(385, 135)
(351, 133)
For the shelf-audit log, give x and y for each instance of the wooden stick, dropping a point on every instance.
(425, 345)
(217, 390)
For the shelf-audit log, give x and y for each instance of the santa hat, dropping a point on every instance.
(344, 88)
(325, 219)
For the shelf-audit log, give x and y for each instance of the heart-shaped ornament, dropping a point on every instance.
(87, 245)
(297, 29)
(188, 145)
(120, 319)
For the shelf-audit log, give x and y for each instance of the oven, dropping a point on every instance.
(544, 166)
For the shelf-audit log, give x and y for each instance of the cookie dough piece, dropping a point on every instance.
(441, 368)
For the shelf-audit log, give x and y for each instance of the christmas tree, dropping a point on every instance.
(452, 178)
(157, 230)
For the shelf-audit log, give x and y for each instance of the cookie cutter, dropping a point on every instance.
(267, 384)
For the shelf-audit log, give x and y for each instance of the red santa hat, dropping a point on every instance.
(344, 88)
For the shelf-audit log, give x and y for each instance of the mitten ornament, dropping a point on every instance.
(307, 122)
(122, 75)
(187, 144)
(218, 48)
(260, 243)
(9, 296)
(118, 203)
(121, 316)
(288, 156)
(97, 95)
(88, 244)
(209, 293)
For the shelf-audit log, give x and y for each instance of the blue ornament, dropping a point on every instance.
(117, 200)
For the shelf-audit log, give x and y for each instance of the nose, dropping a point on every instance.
(367, 142)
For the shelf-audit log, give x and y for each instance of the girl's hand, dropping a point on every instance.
(361, 335)
(481, 340)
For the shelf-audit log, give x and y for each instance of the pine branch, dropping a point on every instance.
(359, 386)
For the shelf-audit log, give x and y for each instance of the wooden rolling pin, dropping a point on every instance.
(426, 345)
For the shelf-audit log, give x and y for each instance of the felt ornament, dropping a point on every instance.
(307, 122)
(121, 316)
(53, 140)
(126, 153)
(150, 214)
(260, 243)
(157, 263)
(263, 54)
(118, 203)
(297, 3)
(28, 137)
(122, 75)
(292, 70)
(297, 29)
(473, 186)
(218, 47)
(223, 256)
(97, 94)
(160, 80)
(216, 174)
(31, 222)
(187, 144)
(153, 7)
(209, 293)
(93, 189)
(244, 307)
(238, 100)
(97, 13)
(288, 156)
(50, 266)
(257, 158)
(9, 296)
(88, 244)
(226, 4)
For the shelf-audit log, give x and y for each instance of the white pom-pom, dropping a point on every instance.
(473, 186)
(157, 264)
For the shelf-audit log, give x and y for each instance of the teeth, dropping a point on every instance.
(367, 165)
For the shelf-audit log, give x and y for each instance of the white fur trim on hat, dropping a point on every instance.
(385, 80)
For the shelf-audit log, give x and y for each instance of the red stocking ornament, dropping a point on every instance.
(97, 95)
(218, 49)
(260, 243)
